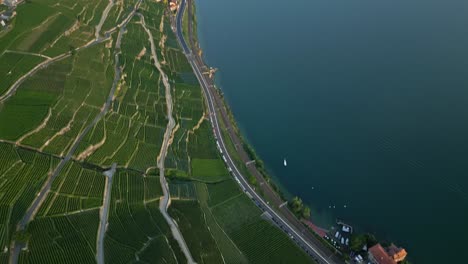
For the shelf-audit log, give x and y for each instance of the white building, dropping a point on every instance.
(10, 2)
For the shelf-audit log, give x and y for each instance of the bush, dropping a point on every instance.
(359, 240)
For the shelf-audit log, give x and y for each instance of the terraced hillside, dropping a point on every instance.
(84, 107)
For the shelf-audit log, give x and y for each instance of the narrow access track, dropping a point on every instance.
(105, 13)
(33, 71)
(166, 199)
(104, 214)
(310, 246)
(27, 53)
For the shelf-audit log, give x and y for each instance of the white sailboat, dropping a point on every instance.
(285, 163)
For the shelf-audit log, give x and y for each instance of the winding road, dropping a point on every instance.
(105, 13)
(315, 250)
(166, 199)
(104, 214)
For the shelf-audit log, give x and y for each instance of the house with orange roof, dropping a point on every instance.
(378, 255)
(389, 255)
(396, 253)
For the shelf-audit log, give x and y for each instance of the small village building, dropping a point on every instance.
(10, 2)
(173, 5)
(396, 253)
(7, 16)
(378, 255)
(2, 22)
(389, 255)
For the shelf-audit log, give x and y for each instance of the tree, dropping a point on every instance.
(296, 205)
(306, 212)
(22, 236)
(72, 50)
(252, 180)
(259, 163)
(371, 240)
(357, 242)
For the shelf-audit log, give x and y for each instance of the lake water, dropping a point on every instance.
(368, 102)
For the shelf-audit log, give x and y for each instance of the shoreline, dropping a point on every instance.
(253, 168)
(272, 180)
(240, 164)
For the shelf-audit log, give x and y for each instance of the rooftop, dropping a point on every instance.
(380, 255)
(397, 253)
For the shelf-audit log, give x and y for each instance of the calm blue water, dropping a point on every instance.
(367, 100)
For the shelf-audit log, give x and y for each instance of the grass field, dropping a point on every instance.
(135, 224)
(29, 106)
(14, 66)
(229, 250)
(182, 190)
(62, 239)
(134, 128)
(41, 37)
(209, 169)
(74, 190)
(22, 173)
(191, 222)
(264, 243)
(67, 221)
(202, 143)
(76, 97)
(222, 191)
(43, 26)
(69, 89)
(246, 235)
(52, 107)
(30, 16)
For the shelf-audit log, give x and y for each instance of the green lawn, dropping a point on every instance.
(209, 170)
